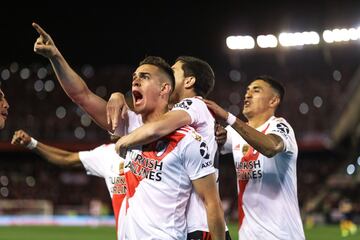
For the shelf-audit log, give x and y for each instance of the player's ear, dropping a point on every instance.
(165, 89)
(189, 82)
(275, 101)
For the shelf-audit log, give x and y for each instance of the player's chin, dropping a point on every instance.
(139, 109)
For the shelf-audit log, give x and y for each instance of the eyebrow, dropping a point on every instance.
(141, 74)
(255, 87)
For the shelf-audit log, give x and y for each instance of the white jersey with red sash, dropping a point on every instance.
(159, 184)
(267, 187)
(104, 162)
(203, 122)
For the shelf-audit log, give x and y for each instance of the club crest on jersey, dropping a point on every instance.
(196, 136)
(183, 104)
(245, 149)
(204, 152)
(161, 147)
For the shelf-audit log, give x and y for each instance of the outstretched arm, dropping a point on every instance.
(74, 86)
(268, 145)
(207, 190)
(152, 131)
(52, 154)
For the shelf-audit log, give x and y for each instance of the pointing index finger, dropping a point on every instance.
(40, 31)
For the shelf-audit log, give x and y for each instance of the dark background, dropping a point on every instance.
(124, 33)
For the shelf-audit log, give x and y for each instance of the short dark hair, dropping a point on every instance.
(276, 85)
(163, 65)
(202, 71)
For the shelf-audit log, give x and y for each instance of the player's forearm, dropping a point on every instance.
(56, 156)
(264, 144)
(153, 131)
(78, 91)
(147, 133)
(140, 136)
(71, 82)
(207, 190)
(216, 222)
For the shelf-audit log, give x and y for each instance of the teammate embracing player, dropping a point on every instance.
(179, 161)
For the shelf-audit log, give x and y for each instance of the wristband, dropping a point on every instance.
(32, 144)
(231, 119)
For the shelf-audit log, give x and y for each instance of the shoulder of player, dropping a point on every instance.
(185, 134)
(281, 126)
(190, 103)
(280, 120)
(107, 151)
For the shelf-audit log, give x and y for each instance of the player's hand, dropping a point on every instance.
(44, 45)
(121, 147)
(21, 138)
(219, 112)
(116, 108)
(220, 135)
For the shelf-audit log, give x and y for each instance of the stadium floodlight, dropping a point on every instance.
(299, 39)
(267, 41)
(350, 169)
(240, 42)
(354, 33)
(341, 35)
(328, 36)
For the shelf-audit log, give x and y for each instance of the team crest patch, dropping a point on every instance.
(196, 136)
(161, 147)
(245, 149)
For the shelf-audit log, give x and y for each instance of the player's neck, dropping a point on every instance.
(188, 93)
(258, 120)
(154, 115)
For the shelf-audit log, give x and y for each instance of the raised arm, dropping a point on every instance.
(52, 154)
(207, 190)
(268, 145)
(152, 131)
(74, 86)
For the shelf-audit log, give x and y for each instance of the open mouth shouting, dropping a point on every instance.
(137, 97)
(246, 103)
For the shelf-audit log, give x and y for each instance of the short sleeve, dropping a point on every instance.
(197, 160)
(281, 128)
(192, 106)
(96, 161)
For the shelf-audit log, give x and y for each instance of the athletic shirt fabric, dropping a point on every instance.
(204, 123)
(159, 179)
(104, 162)
(267, 187)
